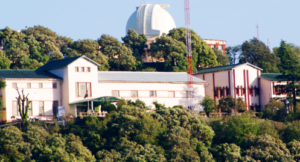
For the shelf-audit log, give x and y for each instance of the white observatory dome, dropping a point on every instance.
(151, 20)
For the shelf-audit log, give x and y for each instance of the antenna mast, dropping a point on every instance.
(268, 43)
(188, 43)
(257, 32)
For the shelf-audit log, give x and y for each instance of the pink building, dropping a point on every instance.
(218, 44)
(239, 80)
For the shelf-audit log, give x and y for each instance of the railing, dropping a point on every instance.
(97, 114)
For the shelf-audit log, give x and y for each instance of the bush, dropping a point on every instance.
(109, 107)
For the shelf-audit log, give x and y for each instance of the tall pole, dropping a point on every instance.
(188, 43)
(257, 32)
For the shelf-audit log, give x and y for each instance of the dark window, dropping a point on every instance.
(244, 91)
(55, 108)
(237, 91)
(216, 93)
(251, 91)
(222, 92)
(54, 85)
(227, 92)
(256, 91)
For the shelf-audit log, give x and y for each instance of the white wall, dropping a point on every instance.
(75, 77)
(105, 89)
(36, 94)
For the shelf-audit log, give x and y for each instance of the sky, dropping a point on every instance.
(232, 20)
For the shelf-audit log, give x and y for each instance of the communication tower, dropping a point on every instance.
(189, 58)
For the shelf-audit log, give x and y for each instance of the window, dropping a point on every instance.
(77, 69)
(134, 93)
(220, 47)
(152, 94)
(116, 93)
(171, 94)
(83, 89)
(55, 108)
(243, 91)
(40, 85)
(28, 85)
(30, 109)
(15, 109)
(216, 93)
(256, 91)
(251, 91)
(54, 85)
(14, 85)
(222, 92)
(212, 46)
(41, 108)
(227, 92)
(237, 91)
(88, 69)
(82, 69)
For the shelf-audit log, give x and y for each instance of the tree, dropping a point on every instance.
(294, 147)
(203, 55)
(233, 53)
(222, 58)
(2, 85)
(257, 53)
(226, 152)
(208, 105)
(89, 48)
(171, 51)
(265, 148)
(23, 105)
(227, 103)
(273, 109)
(120, 56)
(290, 66)
(240, 104)
(136, 42)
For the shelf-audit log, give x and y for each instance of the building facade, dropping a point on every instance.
(238, 81)
(68, 81)
(218, 44)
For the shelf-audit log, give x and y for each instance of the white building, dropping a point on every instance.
(65, 82)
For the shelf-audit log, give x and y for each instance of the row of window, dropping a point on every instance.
(116, 93)
(279, 90)
(41, 85)
(83, 89)
(82, 69)
(239, 92)
(41, 108)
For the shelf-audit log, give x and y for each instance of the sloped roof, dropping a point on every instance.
(13, 73)
(57, 64)
(223, 68)
(145, 77)
(274, 76)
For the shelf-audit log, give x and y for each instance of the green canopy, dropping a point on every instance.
(97, 101)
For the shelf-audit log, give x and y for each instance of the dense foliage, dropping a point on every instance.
(132, 133)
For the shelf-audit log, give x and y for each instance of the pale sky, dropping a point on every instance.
(231, 20)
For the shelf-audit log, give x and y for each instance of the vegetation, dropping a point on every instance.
(168, 134)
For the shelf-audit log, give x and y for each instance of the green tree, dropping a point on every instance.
(227, 103)
(240, 104)
(257, 53)
(290, 66)
(265, 148)
(203, 55)
(171, 51)
(222, 58)
(120, 56)
(226, 153)
(208, 105)
(89, 48)
(294, 147)
(136, 42)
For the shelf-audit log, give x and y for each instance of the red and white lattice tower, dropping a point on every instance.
(189, 57)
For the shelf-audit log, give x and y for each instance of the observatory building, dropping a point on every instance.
(151, 20)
